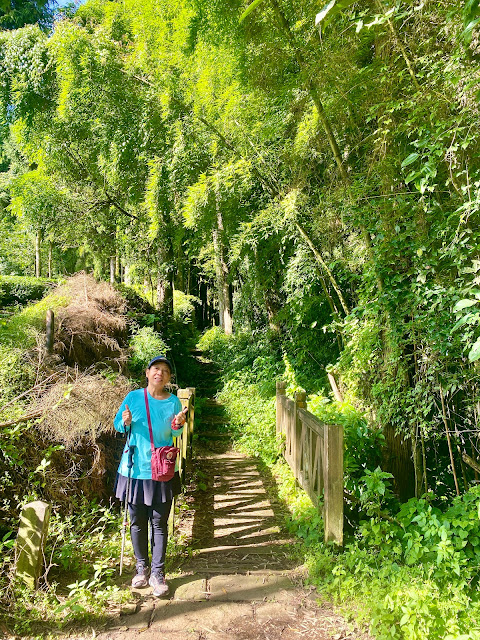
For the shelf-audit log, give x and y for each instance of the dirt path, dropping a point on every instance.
(241, 582)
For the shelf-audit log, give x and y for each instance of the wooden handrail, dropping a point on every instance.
(184, 442)
(314, 451)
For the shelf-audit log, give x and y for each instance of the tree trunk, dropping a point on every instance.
(318, 257)
(165, 278)
(50, 258)
(38, 256)
(221, 272)
(313, 91)
(112, 269)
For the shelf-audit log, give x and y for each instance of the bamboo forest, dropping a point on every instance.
(262, 191)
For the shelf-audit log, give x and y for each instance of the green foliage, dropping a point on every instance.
(18, 13)
(85, 544)
(249, 9)
(362, 443)
(408, 578)
(145, 344)
(249, 369)
(184, 306)
(250, 358)
(422, 570)
(252, 420)
(20, 290)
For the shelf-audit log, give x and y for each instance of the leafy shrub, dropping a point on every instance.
(184, 306)
(252, 420)
(22, 289)
(362, 443)
(249, 357)
(145, 344)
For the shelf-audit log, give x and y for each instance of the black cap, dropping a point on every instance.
(161, 359)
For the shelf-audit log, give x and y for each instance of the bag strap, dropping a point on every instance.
(149, 419)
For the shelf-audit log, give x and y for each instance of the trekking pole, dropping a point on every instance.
(127, 493)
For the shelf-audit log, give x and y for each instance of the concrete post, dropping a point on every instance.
(333, 483)
(30, 542)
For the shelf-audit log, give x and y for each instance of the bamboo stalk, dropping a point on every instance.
(424, 458)
(450, 450)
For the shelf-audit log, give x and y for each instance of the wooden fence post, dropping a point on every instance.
(281, 391)
(333, 483)
(184, 397)
(50, 331)
(300, 403)
(191, 420)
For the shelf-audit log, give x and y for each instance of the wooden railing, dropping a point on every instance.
(314, 451)
(184, 442)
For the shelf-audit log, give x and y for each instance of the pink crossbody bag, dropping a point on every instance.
(163, 458)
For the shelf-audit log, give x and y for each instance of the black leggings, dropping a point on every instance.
(157, 515)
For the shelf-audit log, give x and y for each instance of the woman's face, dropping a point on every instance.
(158, 375)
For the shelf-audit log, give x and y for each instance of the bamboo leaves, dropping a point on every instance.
(471, 18)
(249, 9)
(329, 11)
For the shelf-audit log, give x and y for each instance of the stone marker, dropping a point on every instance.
(30, 542)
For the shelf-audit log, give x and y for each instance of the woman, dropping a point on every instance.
(149, 501)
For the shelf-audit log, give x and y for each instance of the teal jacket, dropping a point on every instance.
(162, 413)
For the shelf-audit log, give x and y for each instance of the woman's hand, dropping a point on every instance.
(127, 416)
(180, 418)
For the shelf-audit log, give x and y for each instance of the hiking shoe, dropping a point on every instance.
(160, 587)
(141, 578)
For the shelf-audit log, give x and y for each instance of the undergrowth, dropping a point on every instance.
(22, 289)
(407, 572)
(81, 585)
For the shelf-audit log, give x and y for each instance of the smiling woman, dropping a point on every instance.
(150, 417)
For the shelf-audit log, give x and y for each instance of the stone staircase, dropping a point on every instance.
(242, 581)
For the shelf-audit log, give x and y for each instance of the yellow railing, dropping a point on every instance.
(184, 442)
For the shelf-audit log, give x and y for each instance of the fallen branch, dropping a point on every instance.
(25, 418)
(335, 389)
(471, 462)
(35, 388)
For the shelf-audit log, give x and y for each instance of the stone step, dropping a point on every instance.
(213, 566)
(212, 402)
(213, 419)
(213, 436)
(260, 548)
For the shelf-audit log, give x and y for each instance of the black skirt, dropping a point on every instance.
(147, 492)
